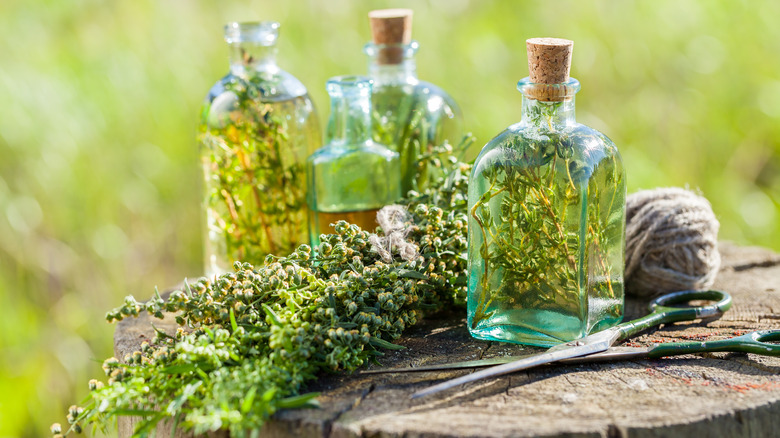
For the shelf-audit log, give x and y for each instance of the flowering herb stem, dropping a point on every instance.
(251, 339)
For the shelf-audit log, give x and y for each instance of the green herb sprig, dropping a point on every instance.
(402, 120)
(250, 339)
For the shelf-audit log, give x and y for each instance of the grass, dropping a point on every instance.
(100, 181)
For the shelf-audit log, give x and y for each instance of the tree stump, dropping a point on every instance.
(713, 395)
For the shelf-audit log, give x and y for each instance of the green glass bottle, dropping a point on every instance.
(258, 126)
(546, 218)
(351, 177)
(409, 115)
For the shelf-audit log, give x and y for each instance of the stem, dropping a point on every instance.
(263, 219)
(483, 295)
(548, 206)
(230, 205)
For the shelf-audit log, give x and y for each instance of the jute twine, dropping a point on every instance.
(671, 242)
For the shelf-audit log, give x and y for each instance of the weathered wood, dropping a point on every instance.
(714, 395)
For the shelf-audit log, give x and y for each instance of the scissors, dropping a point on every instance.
(757, 342)
(661, 312)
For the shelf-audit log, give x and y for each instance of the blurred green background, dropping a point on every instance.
(99, 173)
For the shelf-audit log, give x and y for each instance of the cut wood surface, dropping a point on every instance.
(713, 395)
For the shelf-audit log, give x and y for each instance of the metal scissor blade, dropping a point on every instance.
(612, 354)
(592, 344)
(477, 363)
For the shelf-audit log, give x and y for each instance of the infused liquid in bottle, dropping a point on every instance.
(409, 115)
(258, 126)
(546, 217)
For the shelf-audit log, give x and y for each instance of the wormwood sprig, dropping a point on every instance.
(250, 339)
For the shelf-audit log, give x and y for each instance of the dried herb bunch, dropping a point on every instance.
(546, 229)
(253, 157)
(250, 339)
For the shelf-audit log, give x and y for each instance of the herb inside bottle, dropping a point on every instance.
(258, 126)
(409, 115)
(546, 225)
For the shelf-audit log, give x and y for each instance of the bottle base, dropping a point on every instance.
(543, 328)
(515, 335)
(536, 328)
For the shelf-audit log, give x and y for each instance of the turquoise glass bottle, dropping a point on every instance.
(258, 126)
(351, 177)
(546, 218)
(409, 115)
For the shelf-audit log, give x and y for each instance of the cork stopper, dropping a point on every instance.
(549, 62)
(391, 27)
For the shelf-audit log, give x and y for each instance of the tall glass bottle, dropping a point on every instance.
(351, 177)
(546, 217)
(409, 115)
(258, 126)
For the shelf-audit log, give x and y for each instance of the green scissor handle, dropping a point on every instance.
(754, 342)
(662, 313)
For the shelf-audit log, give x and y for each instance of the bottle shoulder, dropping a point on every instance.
(261, 85)
(431, 90)
(280, 92)
(368, 151)
(434, 97)
(521, 135)
(526, 146)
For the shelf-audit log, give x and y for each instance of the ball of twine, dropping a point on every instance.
(671, 242)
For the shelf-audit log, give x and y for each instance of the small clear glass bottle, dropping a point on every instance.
(409, 115)
(351, 177)
(258, 126)
(546, 218)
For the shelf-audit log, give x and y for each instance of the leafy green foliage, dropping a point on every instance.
(249, 340)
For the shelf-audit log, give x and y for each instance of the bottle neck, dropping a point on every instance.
(392, 63)
(548, 107)
(403, 73)
(349, 124)
(548, 116)
(248, 57)
(252, 47)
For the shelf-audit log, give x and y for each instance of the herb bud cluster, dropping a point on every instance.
(251, 339)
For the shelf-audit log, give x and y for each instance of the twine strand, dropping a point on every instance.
(671, 242)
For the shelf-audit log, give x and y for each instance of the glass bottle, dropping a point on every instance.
(351, 177)
(546, 218)
(258, 126)
(409, 115)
